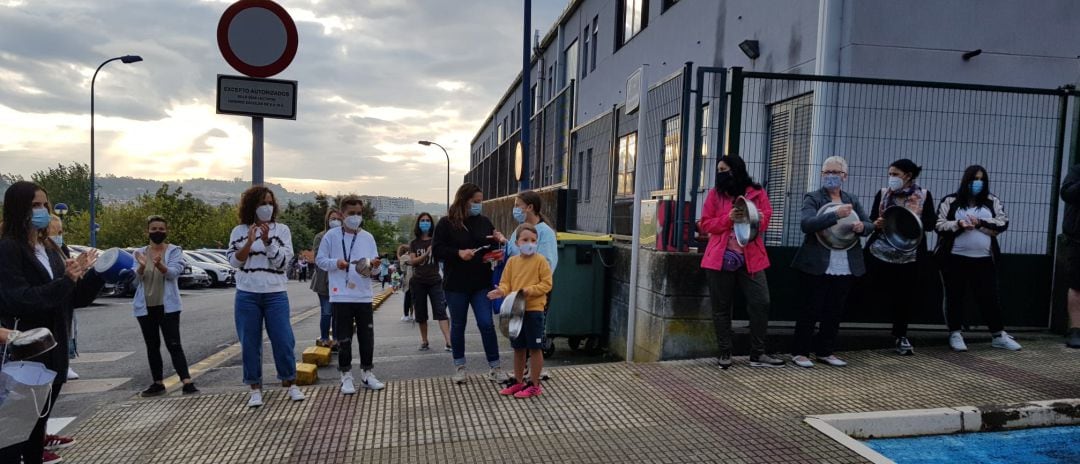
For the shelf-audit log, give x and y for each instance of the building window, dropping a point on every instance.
(624, 181)
(519, 115)
(551, 82)
(706, 169)
(570, 63)
(513, 118)
(588, 174)
(595, 40)
(668, 4)
(502, 133)
(581, 181)
(786, 177)
(535, 98)
(633, 18)
(671, 153)
(585, 53)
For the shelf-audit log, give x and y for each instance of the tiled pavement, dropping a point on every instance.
(682, 411)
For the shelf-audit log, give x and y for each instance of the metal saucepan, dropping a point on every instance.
(511, 314)
(363, 267)
(746, 229)
(839, 236)
(903, 228)
(31, 343)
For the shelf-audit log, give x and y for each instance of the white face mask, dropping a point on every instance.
(265, 212)
(895, 183)
(335, 223)
(353, 222)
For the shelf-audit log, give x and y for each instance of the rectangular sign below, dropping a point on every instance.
(248, 96)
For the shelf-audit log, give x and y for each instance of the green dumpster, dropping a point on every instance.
(576, 310)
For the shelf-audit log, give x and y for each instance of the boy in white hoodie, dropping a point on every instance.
(350, 291)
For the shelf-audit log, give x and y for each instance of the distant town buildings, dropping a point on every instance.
(391, 208)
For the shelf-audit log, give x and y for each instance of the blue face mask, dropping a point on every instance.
(831, 181)
(425, 226)
(475, 209)
(976, 187)
(57, 239)
(527, 248)
(41, 218)
(519, 215)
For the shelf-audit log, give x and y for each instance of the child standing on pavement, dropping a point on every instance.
(530, 276)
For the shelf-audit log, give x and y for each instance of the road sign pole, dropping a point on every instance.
(256, 151)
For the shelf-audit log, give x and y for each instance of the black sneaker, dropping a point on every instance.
(903, 347)
(424, 347)
(189, 388)
(156, 389)
(724, 361)
(1073, 338)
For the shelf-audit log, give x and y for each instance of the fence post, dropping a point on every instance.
(684, 143)
(734, 126)
(1063, 116)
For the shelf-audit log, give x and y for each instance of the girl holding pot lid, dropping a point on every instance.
(894, 268)
(968, 224)
(827, 273)
(729, 265)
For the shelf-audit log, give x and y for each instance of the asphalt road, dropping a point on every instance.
(113, 367)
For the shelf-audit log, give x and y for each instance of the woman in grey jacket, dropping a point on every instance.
(827, 274)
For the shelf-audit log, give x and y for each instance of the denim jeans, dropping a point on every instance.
(252, 311)
(459, 315)
(326, 317)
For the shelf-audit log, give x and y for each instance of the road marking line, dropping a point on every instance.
(93, 385)
(103, 356)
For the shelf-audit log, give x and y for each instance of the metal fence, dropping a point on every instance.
(592, 163)
(785, 125)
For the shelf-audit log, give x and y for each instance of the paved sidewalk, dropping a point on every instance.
(682, 411)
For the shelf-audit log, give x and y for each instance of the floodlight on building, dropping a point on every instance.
(750, 48)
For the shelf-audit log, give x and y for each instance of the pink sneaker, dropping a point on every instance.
(513, 389)
(529, 392)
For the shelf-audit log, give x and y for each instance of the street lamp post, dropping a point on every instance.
(427, 143)
(126, 59)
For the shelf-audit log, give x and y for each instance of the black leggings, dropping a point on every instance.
(168, 324)
(978, 274)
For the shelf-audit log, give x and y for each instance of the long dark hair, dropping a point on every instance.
(964, 195)
(416, 226)
(531, 198)
(459, 210)
(18, 209)
(740, 178)
(250, 200)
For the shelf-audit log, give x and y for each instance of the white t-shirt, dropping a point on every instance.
(838, 263)
(43, 258)
(973, 243)
(346, 286)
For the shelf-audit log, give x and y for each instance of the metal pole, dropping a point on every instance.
(684, 152)
(93, 197)
(447, 175)
(526, 102)
(635, 240)
(256, 150)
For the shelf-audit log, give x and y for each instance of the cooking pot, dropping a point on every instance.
(31, 343)
(839, 236)
(903, 229)
(746, 229)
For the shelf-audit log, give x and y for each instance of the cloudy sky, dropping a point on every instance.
(374, 77)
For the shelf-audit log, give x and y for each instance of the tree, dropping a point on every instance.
(68, 184)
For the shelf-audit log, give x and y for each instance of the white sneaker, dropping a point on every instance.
(497, 375)
(544, 375)
(347, 386)
(368, 380)
(802, 361)
(1004, 341)
(404, 318)
(72, 375)
(459, 375)
(956, 341)
(255, 400)
(833, 361)
(295, 394)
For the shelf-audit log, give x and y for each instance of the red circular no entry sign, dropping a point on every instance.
(257, 37)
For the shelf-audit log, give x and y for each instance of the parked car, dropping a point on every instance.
(218, 274)
(194, 277)
(212, 257)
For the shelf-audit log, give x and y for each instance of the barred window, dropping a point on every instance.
(624, 182)
(671, 153)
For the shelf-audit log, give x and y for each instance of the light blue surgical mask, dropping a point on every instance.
(831, 181)
(527, 248)
(425, 226)
(41, 218)
(475, 209)
(976, 187)
(519, 215)
(895, 183)
(57, 239)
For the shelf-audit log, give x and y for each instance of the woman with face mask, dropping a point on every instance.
(731, 266)
(39, 288)
(426, 283)
(261, 248)
(56, 234)
(968, 224)
(460, 241)
(893, 269)
(157, 304)
(320, 286)
(827, 274)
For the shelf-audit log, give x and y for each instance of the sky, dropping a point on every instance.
(374, 77)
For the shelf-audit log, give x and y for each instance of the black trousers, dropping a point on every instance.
(978, 275)
(755, 288)
(155, 325)
(826, 297)
(897, 287)
(407, 303)
(345, 315)
(31, 450)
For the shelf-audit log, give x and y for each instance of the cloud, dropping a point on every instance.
(374, 77)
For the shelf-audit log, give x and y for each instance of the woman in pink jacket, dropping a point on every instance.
(728, 265)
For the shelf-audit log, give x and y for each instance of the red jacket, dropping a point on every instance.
(715, 222)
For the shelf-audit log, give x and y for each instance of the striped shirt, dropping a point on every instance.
(264, 270)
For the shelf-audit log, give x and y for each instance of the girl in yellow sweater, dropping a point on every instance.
(530, 276)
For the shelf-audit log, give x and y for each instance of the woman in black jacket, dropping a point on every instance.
(968, 224)
(460, 241)
(38, 288)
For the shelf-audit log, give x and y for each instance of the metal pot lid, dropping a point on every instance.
(903, 229)
(746, 230)
(839, 236)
